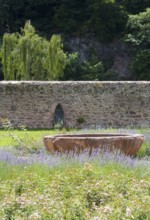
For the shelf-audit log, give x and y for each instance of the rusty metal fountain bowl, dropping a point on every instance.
(129, 144)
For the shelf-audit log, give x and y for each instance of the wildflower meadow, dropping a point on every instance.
(35, 184)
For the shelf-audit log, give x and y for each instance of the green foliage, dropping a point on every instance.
(11, 15)
(87, 70)
(27, 56)
(21, 139)
(72, 68)
(71, 15)
(134, 6)
(92, 69)
(141, 65)
(107, 19)
(138, 28)
(14, 13)
(80, 120)
(1, 72)
(9, 55)
(57, 58)
(144, 150)
(103, 17)
(72, 192)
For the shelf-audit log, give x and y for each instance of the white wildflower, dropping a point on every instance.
(107, 209)
(128, 212)
(34, 216)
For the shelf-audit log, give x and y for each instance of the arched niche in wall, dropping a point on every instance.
(59, 117)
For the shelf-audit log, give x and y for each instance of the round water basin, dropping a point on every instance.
(77, 143)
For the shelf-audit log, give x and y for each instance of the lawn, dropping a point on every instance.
(11, 137)
(38, 185)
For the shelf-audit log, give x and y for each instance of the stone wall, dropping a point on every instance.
(100, 104)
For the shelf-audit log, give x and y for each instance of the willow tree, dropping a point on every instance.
(57, 58)
(25, 45)
(9, 55)
(27, 56)
(33, 50)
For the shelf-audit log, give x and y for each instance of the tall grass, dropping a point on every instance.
(37, 185)
(74, 191)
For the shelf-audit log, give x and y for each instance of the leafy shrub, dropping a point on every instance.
(80, 120)
(72, 69)
(138, 29)
(141, 65)
(92, 69)
(72, 192)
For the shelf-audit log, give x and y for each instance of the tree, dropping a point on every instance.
(33, 52)
(72, 69)
(9, 55)
(14, 13)
(92, 69)
(134, 6)
(11, 15)
(107, 19)
(70, 16)
(141, 65)
(138, 34)
(138, 29)
(57, 58)
(27, 56)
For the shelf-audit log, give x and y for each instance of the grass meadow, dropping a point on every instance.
(37, 185)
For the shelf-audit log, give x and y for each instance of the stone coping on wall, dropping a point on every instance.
(73, 82)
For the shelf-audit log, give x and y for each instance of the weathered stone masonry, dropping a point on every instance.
(101, 104)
